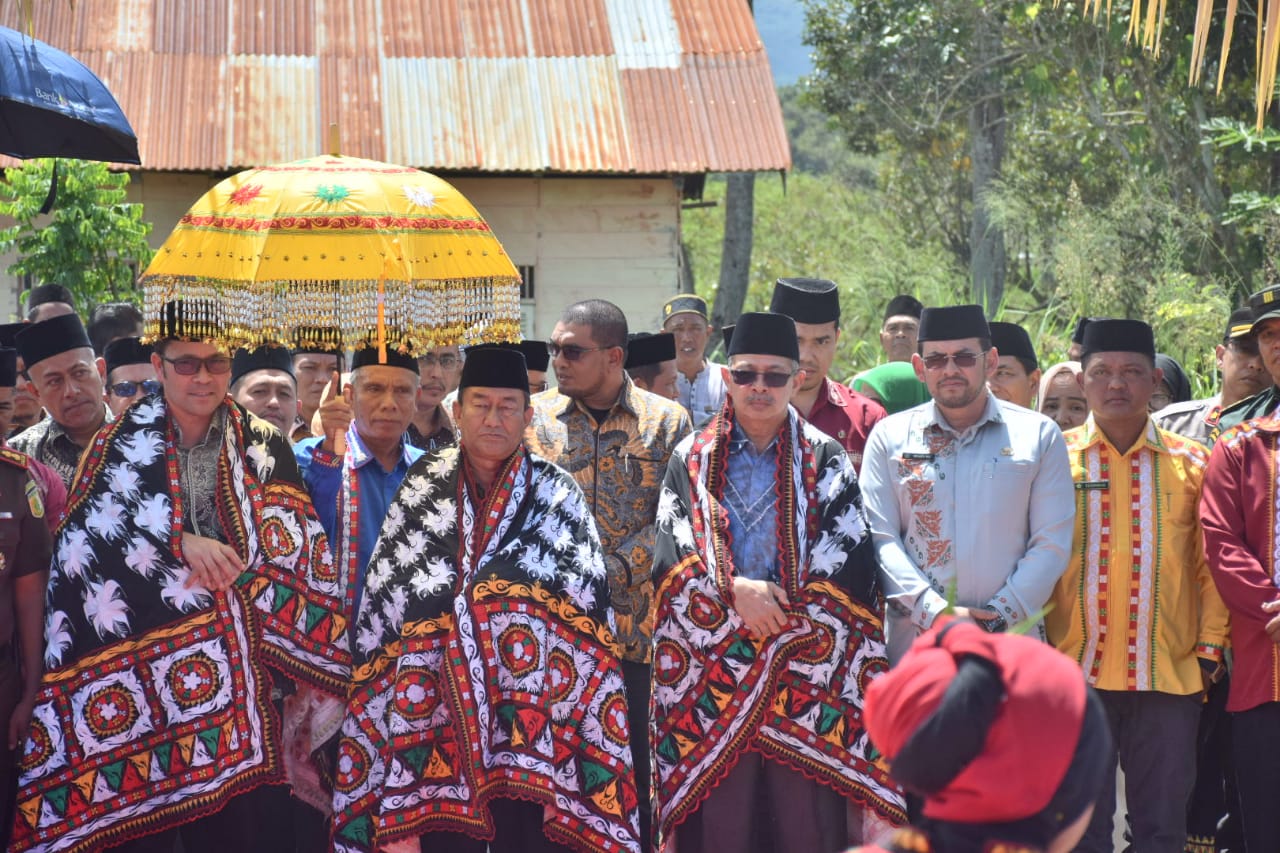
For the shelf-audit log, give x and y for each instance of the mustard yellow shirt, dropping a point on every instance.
(1137, 606)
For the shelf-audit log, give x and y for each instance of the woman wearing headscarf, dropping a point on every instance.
(1000, 735)
(894, 385)
(1174, 388)
(1061, 399)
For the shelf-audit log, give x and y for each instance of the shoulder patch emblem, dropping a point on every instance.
(34, 499)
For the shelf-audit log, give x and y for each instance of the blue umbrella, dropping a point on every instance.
(52, 106)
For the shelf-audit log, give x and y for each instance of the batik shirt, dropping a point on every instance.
(795, 697)
(485, 667)
(47, 442)
(987, 511)
(1137, 606)
(619, 465)
(155, 705)
(702, 396)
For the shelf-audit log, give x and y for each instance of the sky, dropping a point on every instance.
(781, 25)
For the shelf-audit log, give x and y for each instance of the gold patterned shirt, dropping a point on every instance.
(619, 465)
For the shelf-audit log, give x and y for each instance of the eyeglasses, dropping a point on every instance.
(571, 352)
(770, 378)
(448, 361)
(939, 360)
(130, 389)
(189, 365)
(537, 387)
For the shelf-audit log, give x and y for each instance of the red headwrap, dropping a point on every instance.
(1033, 731)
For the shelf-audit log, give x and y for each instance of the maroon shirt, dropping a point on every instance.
(846, 416)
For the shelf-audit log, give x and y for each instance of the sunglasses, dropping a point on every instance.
(189, 365)
(768, 377)
(939, 360)
(130, 389)
(571, 352)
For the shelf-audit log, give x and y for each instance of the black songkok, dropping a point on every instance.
(644, 349)
(494, 367)
(806, 300)
(726, 333)
(123, 351)
(535, 353)
(953, 323)
(369, 357)
(1077, 337)
(903, 305)
(262, 358)
(9, 334)
(759, 333)
(1012, 339)
(51, 337)
(1118, 336)
(8, 367)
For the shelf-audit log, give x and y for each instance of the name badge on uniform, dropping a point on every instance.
(918, 457)
(6, 516)
(1093, 485)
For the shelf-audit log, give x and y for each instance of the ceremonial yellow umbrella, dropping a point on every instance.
(337, 251)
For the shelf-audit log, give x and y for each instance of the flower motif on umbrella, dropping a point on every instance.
(361, 251)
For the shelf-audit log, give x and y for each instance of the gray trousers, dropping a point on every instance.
(1155, 737)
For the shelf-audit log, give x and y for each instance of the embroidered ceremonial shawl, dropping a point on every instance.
(156, 705)
(485, 667)
(795, 697)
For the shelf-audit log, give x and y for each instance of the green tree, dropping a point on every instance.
(94, 241)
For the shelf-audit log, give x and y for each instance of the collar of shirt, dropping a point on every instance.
(991, 414)
(626, 399)
(739, 443)
(359, 453)
(827, 396)
(55, 430)
(1093, 435)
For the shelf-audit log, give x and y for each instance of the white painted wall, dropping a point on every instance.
(614, 238)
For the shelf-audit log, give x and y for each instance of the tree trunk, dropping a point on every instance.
(735, 253)
(686, 269)
(987, 145)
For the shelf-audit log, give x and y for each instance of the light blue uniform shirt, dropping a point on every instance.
(990, 510)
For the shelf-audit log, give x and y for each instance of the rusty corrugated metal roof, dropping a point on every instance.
(557, 86)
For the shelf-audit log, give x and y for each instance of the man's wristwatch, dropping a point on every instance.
(995, 625)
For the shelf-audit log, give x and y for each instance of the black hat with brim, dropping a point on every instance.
(8, 367)
(125, 351)
(644, 349)
(685, 303)
(263, 358)
(371, 357)
(494, 367)
(1265, 305)
(1012, 339)
(760, 333)
(1112, 335)
(1239, 324)
(51, 337)
(806, 300)
(953, 323)
(903, 305)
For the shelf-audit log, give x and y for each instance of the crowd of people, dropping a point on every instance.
(601, 592)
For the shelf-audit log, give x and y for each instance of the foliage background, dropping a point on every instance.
(1121, 192)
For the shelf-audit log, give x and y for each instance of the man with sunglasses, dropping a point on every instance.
(968, 496)
(129, 373)
(768, 622)
(614, 439)
(68, 381)
(191, 591)
(262, 380)
(1243, 375)
(839, 411)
